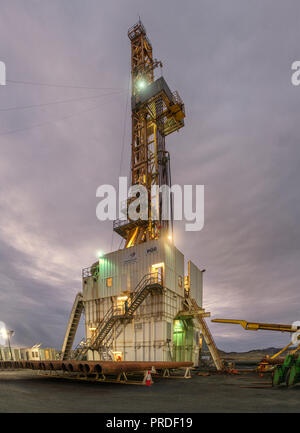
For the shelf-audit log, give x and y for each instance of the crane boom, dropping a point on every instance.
(254, 326)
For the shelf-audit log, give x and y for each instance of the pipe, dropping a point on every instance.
(36, 365)
(64, 366)
(69, 366)
(98, 367)
(55, 365)
(113, 367)
(85, 368)
(73, 367)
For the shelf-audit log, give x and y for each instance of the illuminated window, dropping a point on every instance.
(122, 304)
(158, 270)
(93, 332)
(108, 282)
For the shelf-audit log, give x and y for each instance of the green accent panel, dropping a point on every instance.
(183, 340)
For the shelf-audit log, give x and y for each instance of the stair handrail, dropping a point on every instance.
(107, 317)
(144, 282)
(69, 338)
(215, 351)
(147, 279)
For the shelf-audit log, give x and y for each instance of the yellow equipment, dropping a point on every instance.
(266, 363)
(254, 326)
(199, 314)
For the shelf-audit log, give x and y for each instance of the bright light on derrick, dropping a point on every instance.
(3, 333)
(141, 84)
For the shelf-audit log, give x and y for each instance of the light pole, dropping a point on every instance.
(9, 335)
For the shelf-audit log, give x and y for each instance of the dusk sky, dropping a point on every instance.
(63, 121)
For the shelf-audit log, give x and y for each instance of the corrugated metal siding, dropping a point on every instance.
(196, 283)
(145, 338)
(128, 266)
(179, 270)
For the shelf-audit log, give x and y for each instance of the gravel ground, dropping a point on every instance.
(25, 391)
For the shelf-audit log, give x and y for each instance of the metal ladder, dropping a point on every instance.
(208, 337)
(107, 354)
(104, 330)
(105, 351)
(73, 323)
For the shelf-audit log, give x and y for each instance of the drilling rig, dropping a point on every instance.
(139, 305)
(156, 113)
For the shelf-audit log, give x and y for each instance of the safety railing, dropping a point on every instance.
(176, 98)
(136, 30)
(115, 313)
(119, 223)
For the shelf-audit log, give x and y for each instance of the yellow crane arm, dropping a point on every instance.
(253, 326)
(281, 351)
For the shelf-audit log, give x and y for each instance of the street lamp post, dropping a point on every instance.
(9, 335)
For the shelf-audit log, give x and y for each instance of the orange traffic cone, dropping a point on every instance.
(148, 379)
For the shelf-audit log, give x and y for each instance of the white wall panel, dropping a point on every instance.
(196, 283)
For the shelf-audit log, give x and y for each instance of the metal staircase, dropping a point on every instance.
(75, 352)
(103, 334)
(207, 336)
(114, 335)
(73, 323)
(106, 354)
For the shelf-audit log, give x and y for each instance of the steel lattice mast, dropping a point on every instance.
(156, 112)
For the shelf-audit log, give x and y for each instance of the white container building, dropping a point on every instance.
(156, 330)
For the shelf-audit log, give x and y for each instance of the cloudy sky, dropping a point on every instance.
(62, 122)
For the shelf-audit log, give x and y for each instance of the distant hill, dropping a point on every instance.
(254, 354)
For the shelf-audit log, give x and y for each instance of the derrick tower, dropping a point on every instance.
(138, 303)
(156, 113)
